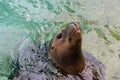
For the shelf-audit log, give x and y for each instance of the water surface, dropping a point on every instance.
(40, 19)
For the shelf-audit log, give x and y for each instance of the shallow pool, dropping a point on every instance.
(40, 19)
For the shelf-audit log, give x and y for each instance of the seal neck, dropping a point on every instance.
(74, 63)
(74, 56)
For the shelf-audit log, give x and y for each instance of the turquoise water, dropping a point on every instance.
(100, 22)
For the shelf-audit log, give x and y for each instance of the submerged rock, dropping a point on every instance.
(33, 63)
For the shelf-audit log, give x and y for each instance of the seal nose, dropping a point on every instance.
(73, 25)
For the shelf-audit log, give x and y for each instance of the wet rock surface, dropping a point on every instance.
(32, 62)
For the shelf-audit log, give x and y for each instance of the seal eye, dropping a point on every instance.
(59, 35)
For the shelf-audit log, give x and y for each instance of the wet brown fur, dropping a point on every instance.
(65, 49)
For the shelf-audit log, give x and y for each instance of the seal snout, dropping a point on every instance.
(73, 30)
(74, 26)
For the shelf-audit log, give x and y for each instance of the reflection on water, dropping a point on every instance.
(100, 22)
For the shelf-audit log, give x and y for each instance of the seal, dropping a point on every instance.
(65, 50)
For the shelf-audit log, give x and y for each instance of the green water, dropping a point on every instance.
(99, 19)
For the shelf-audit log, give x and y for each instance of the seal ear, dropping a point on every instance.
(52, 47)
(50, 44)
(69, 39)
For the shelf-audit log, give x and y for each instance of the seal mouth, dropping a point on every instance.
(72, 29)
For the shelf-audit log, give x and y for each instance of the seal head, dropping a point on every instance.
(65, 49)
